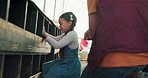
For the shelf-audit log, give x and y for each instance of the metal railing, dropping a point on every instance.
(21, 52)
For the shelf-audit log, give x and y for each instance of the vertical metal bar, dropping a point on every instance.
(43, 22)
(63, 6)
(32, 64)
(27, 63)
(48, 27)
(7, 11)
(55, 30)
(19, 65)
(36, 64)
(39, 64)
(12, 66)
(42, 60)
(54, 9)
(36, 22)
(44, 7)
(25, 14)
(2, 58)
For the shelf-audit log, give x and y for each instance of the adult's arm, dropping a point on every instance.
(92, 23)
(92, 15)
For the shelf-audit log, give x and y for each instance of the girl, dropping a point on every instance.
(68, 66)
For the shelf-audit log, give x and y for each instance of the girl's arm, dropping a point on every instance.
(57, 38)
(65, 40)
(45, 34)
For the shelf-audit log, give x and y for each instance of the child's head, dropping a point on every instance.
(67, 22)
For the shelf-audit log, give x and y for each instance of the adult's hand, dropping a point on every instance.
(87, 35)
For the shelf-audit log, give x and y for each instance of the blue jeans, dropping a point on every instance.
(111, 72)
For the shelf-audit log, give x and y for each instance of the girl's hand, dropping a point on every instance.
(44, 33)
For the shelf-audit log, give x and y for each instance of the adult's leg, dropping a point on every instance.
(85, 73)
(145, 69)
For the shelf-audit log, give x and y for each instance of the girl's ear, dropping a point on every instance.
(70, 23)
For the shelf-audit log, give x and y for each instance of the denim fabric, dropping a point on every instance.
(112, 72)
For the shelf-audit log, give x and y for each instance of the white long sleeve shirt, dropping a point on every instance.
(70, 39)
